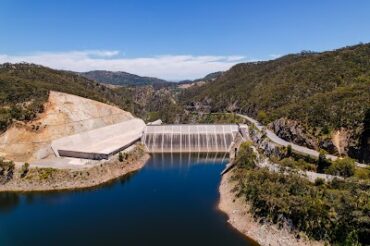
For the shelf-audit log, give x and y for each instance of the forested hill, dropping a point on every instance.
(124, 79)
(25, 87)
(324, 91)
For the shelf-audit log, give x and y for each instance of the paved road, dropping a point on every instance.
(303, 150)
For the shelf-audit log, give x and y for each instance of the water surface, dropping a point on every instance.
(171, 201)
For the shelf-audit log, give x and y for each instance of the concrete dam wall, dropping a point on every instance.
(189, 138)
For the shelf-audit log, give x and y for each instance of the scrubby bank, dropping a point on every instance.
(337, 212)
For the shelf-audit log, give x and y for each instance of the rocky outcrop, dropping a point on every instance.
(329, 146)
(293, 131)
(263, 143)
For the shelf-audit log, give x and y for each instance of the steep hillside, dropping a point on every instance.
(152, 104)
(320, 92)
(124, 79)
(63, 115)
(24, 89)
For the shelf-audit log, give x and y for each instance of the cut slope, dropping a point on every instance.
(64, 115)
(24, 89)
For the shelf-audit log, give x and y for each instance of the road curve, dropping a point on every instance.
(303, 150)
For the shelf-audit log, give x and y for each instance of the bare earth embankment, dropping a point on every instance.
(240, 218)
(64, 115)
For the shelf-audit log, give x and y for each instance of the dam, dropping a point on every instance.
(190, 138)
(101, 143)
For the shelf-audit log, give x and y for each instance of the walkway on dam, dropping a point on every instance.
(300, 149)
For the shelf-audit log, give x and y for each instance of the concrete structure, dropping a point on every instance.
(156, 122)
(190, 138)
(100, 143)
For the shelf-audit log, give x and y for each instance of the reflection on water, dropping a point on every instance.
(8, 201)
(186, 160)
(171, 201)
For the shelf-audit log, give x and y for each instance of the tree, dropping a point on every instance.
(261, 116)
(319, 181)
(120, 157)
(289, 150)
(322, 163)
(25, 169)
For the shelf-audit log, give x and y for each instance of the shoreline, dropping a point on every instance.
(237, 211)
(69, 179)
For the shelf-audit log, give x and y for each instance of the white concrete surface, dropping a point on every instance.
(185, 138)
(101, 142)
(156, 122)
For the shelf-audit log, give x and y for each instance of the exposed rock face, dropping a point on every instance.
(269, 148)
(64, 115)
(293, 131)
(329, 146)
(340, 141)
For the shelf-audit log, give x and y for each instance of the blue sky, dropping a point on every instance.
(174, 39)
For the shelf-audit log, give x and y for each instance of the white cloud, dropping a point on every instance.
(275, 56)
(171, 67)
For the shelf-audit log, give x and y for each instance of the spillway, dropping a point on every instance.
(100, 143)
(189, 138)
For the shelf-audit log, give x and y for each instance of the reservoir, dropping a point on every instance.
(171, 201)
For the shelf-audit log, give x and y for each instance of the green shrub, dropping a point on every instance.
(289, 150)
(319, 181)
(288, 162)
(342, 167)
(25, 169)
(362, 173)
(262, 116)
(46, 173)
(245, 156)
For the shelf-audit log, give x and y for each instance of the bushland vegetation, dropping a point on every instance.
(24, 88)
(323, 91)
(337, 212)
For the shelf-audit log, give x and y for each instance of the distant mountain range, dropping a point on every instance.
(124, 79)
(127, 79)
(208, 77)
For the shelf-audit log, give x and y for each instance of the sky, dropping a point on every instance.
(174, 39)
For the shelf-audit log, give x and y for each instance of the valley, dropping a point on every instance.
(301, 120)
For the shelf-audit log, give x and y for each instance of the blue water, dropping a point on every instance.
(171, 201)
